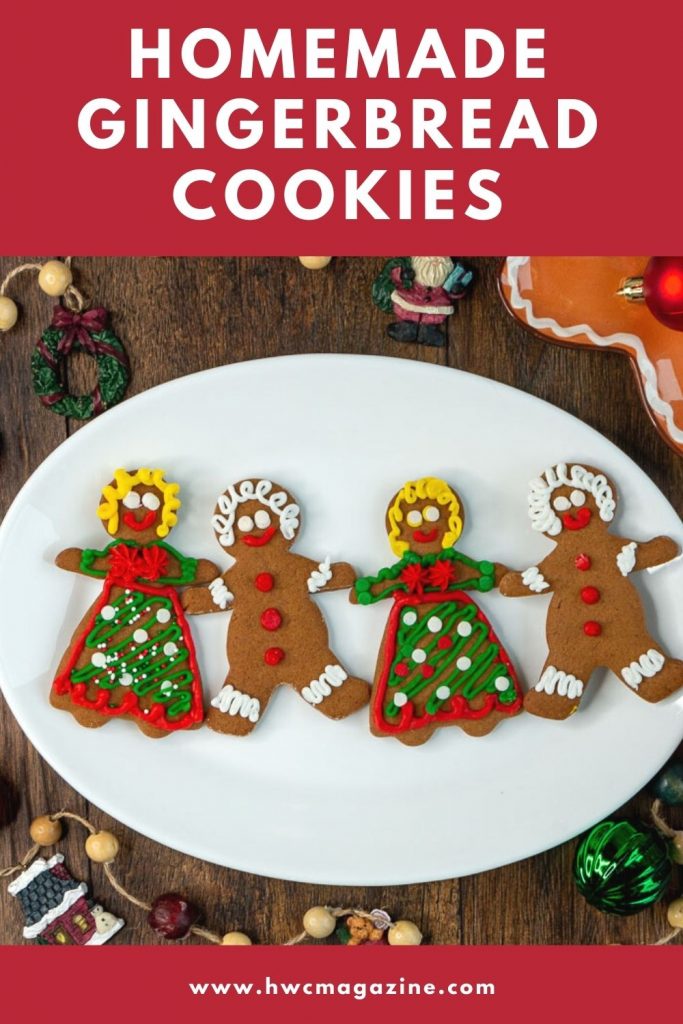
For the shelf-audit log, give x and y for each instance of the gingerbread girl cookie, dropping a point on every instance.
(132, 656)
(277, 635)
(595, 618)
(440, 662)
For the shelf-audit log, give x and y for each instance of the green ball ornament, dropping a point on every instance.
(622, 867)
(668, 785)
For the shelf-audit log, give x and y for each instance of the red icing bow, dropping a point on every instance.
(442, 574)
(129, 564)
(414, 578)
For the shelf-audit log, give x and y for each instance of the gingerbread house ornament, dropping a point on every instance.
(57, 909)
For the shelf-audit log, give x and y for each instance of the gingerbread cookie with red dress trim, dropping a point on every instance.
(595, 619)
(277, 635)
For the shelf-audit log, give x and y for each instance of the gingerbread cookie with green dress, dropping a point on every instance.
(132, 656)
(440, 662)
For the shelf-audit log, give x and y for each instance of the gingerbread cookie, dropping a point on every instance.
(440, 663)
(595, 618)
(132, 656)
(277, 635)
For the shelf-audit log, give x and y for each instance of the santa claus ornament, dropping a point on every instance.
(421, 292)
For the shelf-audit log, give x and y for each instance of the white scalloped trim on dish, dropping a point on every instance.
(514, 264)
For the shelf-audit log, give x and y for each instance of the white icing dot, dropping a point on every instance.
(163, 615)
(140, 635)
(108, 612)
(146, 711)
(464, 628)
(170, 648)
(400, 699)
(410, 618)
(434, 624)
(98, 659)
(577, 498)
(463, 663)
(419, 655)
(502, 683)
(414, 517)
(126, 679)
(443, 693)
(166, 685)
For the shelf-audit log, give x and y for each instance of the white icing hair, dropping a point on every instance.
(254, 490)
(541, 512)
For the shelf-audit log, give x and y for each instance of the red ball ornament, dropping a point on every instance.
(172, 916)
(661, 288)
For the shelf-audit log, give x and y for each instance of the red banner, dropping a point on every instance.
(166, 128)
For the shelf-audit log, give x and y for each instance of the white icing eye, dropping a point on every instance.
(132, 500)
(262, 519)
(431, 513)
(414, 517)
(578, 498)
(151, 501)
(561, 504)
(245, 524)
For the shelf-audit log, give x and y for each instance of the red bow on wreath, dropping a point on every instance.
(78, 330)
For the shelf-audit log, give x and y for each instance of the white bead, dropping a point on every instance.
(464, 628)
(404, 933)
(419, 655)
(319, 923)
(8, 313)
(314, 262)
(434, 624)
(54, 278)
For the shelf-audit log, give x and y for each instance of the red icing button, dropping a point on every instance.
(444, 642)
(590, 595)
(592, 628)
(264, 582)
(401, 669)
(271, 619)
(427, 671)
(582, 562)
(273, 656)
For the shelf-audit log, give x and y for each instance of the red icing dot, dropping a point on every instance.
(592, 628)
(264, 582)
(582, 562)
(590, 595)
(401, 669)
(273, 655)
(427, 671)
(444, 642)
(271, 619)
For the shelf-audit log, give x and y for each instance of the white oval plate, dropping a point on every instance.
(291, 800)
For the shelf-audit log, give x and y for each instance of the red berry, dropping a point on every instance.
(592, 628)
(273, 655)
(172, 916)
(582, 562)
(264, 582)
(271, 619)
(590, 595)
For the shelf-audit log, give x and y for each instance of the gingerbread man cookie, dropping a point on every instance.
(132, 656)
(440, 662)
(595, 618)
(277, 635)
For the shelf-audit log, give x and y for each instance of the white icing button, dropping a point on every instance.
(166, 685)
(419, 655)
(163, 615)
(98, 659)
(140, 635)
(410, 618)
(464, 628)
(434, 624)
(170, 648)
(126, 679)
(400, 699)
(502, 683)
(463, 663)
(108, 612)
(443, 693)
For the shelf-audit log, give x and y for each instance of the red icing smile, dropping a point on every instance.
(577, 520)
(425, 538)
(139, 524)
(258, 542)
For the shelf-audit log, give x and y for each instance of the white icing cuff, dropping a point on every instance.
(318, 689)
(563, 684)
(626, 558)
(233, 702)
(320, 577)
(220, 595)
(647, 665)
(534, 579)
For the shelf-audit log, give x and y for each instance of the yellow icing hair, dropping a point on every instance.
(428, 487)
(124, 482)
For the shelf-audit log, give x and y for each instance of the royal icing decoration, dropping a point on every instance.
(534, 579)
(220, 595)
(647, 665)
(564, 684)
(286, 511)
(626, 558)
(122, 491)
(320, 577)
(316, 691)
(233, 702)
(541, 512)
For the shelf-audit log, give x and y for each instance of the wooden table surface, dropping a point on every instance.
(181, 315)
